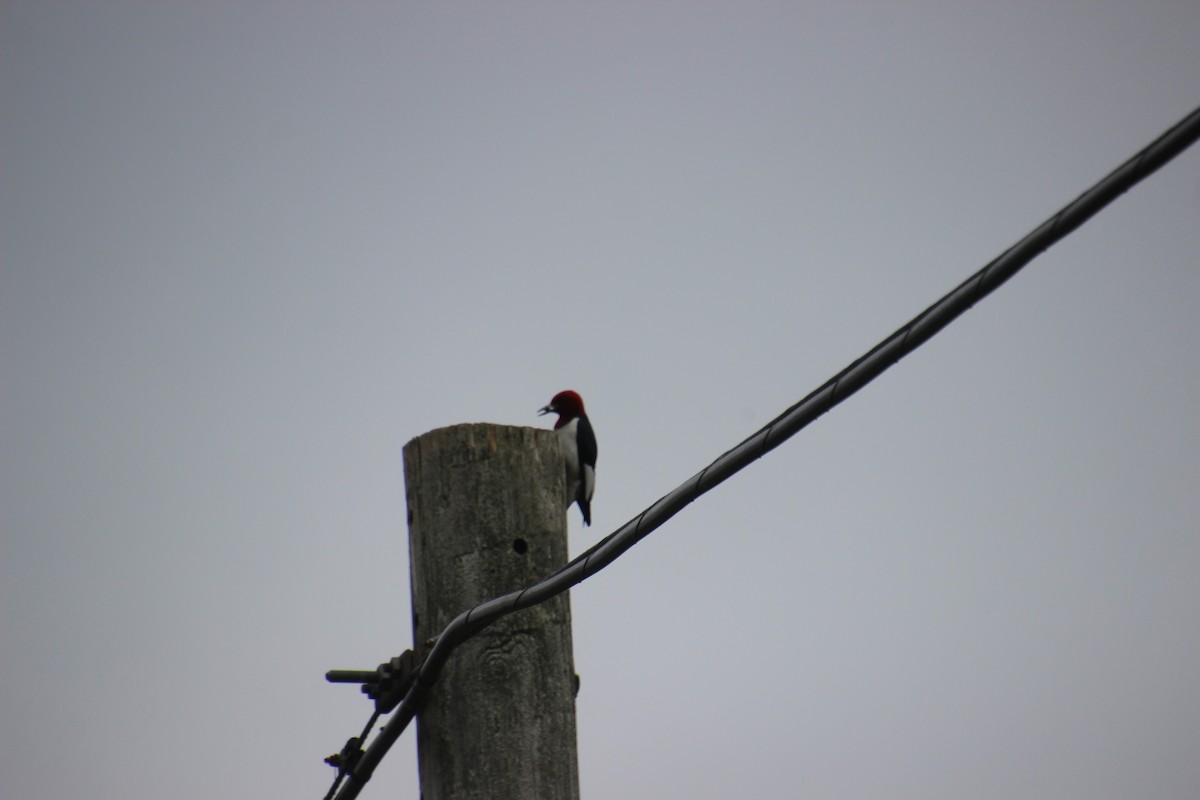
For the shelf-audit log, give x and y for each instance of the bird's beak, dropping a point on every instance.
(545, 410)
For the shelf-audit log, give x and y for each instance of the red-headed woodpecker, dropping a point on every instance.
(579, 449)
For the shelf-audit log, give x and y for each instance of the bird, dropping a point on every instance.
(578, 446)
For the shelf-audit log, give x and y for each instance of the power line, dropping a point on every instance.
(348, 758)
(857, 375)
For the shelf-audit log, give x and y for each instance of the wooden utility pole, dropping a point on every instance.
(486, 516)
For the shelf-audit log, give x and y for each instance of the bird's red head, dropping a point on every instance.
(567, 404)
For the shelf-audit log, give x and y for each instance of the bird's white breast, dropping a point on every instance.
(570, 448)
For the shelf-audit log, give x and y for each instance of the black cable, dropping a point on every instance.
(861, 372)
(350, 756)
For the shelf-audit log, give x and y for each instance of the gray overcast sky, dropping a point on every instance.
(248, 250)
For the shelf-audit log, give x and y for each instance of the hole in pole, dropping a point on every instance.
(520, 547)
